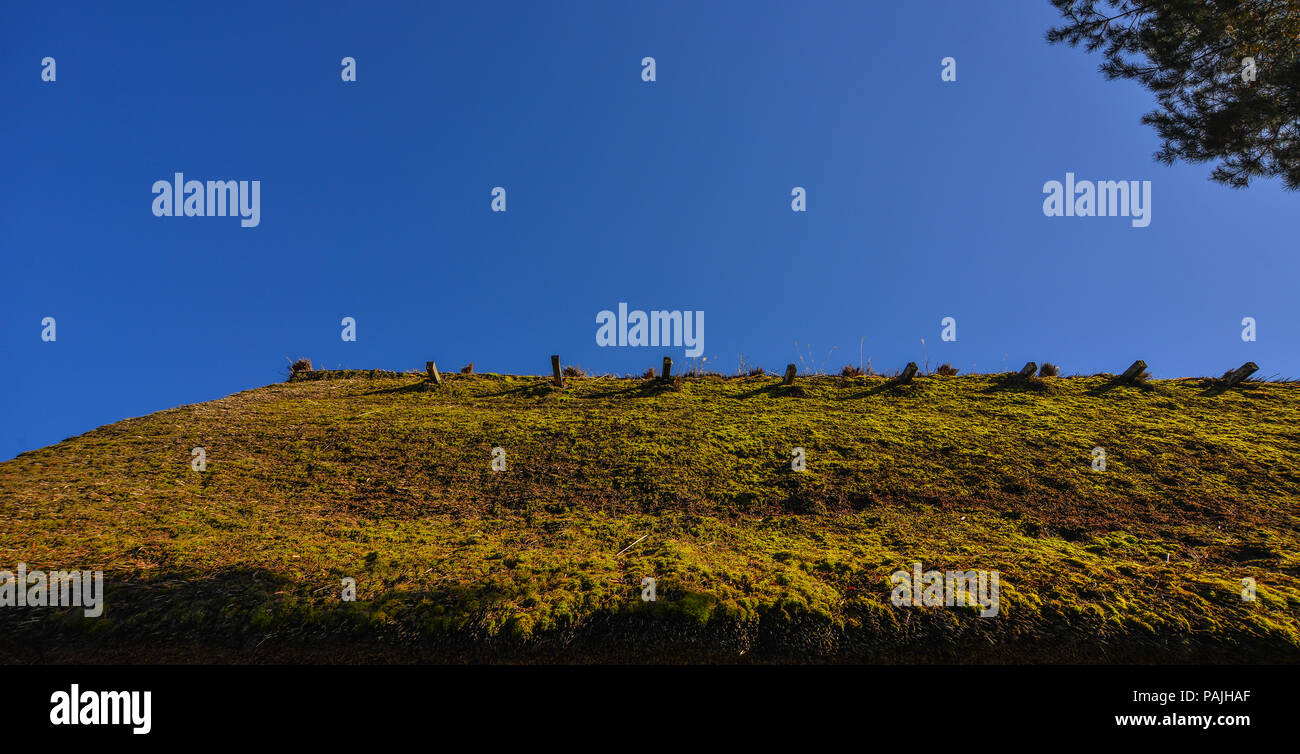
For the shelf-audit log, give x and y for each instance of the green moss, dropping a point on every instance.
(386, 480)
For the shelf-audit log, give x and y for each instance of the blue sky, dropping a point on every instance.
(924, 197)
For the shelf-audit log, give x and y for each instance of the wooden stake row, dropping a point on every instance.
(1130, 375)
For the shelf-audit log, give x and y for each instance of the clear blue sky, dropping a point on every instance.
(924, 197)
